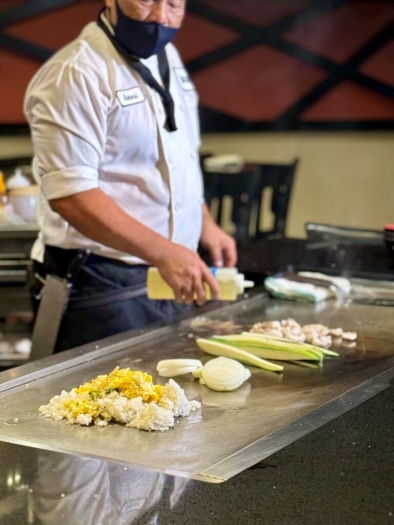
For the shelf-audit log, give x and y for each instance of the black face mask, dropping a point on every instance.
(142, 39)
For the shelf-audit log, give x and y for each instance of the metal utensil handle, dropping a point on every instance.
(76, 265)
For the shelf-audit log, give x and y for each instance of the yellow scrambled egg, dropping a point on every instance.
(126, 382)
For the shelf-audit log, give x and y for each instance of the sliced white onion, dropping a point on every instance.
(177, 367)
(197, 373)
(169, 363)
(174, 371)
(224, 374)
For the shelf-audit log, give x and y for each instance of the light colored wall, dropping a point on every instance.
(344, 179)
(15, 147)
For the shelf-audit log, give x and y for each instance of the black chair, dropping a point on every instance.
(246, 195)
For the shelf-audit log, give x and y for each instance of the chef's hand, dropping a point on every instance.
(221, 247)
(186, 273)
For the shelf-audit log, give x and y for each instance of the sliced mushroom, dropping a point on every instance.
(271, 324)
(349, 336)
(294, 335)
(324, 341)
(312, 327)
(315, 333)
(337, 341)
(349, 344)
(275, 332)
(336, 332)
(290, 322)
(309, 336)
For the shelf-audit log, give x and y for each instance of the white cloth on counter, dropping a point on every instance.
(283, 288)
(96, 124)
(338, 283)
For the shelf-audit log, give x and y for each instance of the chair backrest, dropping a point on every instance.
(260, 193)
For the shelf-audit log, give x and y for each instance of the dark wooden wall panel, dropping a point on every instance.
(257, 64)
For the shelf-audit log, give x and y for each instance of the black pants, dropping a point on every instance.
(100, 303)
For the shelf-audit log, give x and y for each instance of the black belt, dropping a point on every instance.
(57, 261)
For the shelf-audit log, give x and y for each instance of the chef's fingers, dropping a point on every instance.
(230, 254)
(188, 294)
(199, 291)
(178, 295)
(215, 251)
(208, 278)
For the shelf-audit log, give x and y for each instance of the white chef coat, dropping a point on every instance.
(96, 124)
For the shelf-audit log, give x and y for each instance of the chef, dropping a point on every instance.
(114, 124)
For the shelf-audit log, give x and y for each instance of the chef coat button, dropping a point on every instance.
(192, 155)
(170, 159)
(177, 209)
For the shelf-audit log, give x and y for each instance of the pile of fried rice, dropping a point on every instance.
(124, 396)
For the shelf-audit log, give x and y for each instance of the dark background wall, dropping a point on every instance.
(257, 64)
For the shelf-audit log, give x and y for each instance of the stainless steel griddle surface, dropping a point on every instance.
(234, 430)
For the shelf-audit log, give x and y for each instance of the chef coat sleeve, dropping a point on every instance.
(67, 113)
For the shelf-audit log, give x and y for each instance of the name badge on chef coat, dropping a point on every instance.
(183, 78)
(128, 97)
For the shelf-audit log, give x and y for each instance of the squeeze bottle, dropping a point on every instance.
(3, 195)
(17, 180)
(3, 198)
(231, 284)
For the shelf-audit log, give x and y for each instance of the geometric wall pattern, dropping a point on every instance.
(257, 64)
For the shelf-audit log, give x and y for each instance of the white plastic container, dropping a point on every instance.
(231, 284)
(24, 202)
(17, 180)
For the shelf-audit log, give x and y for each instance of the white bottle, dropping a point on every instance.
(23, 196)
(17, 180)
(231, 284)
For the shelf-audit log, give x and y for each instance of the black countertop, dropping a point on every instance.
(340, 474)
(266, 257)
